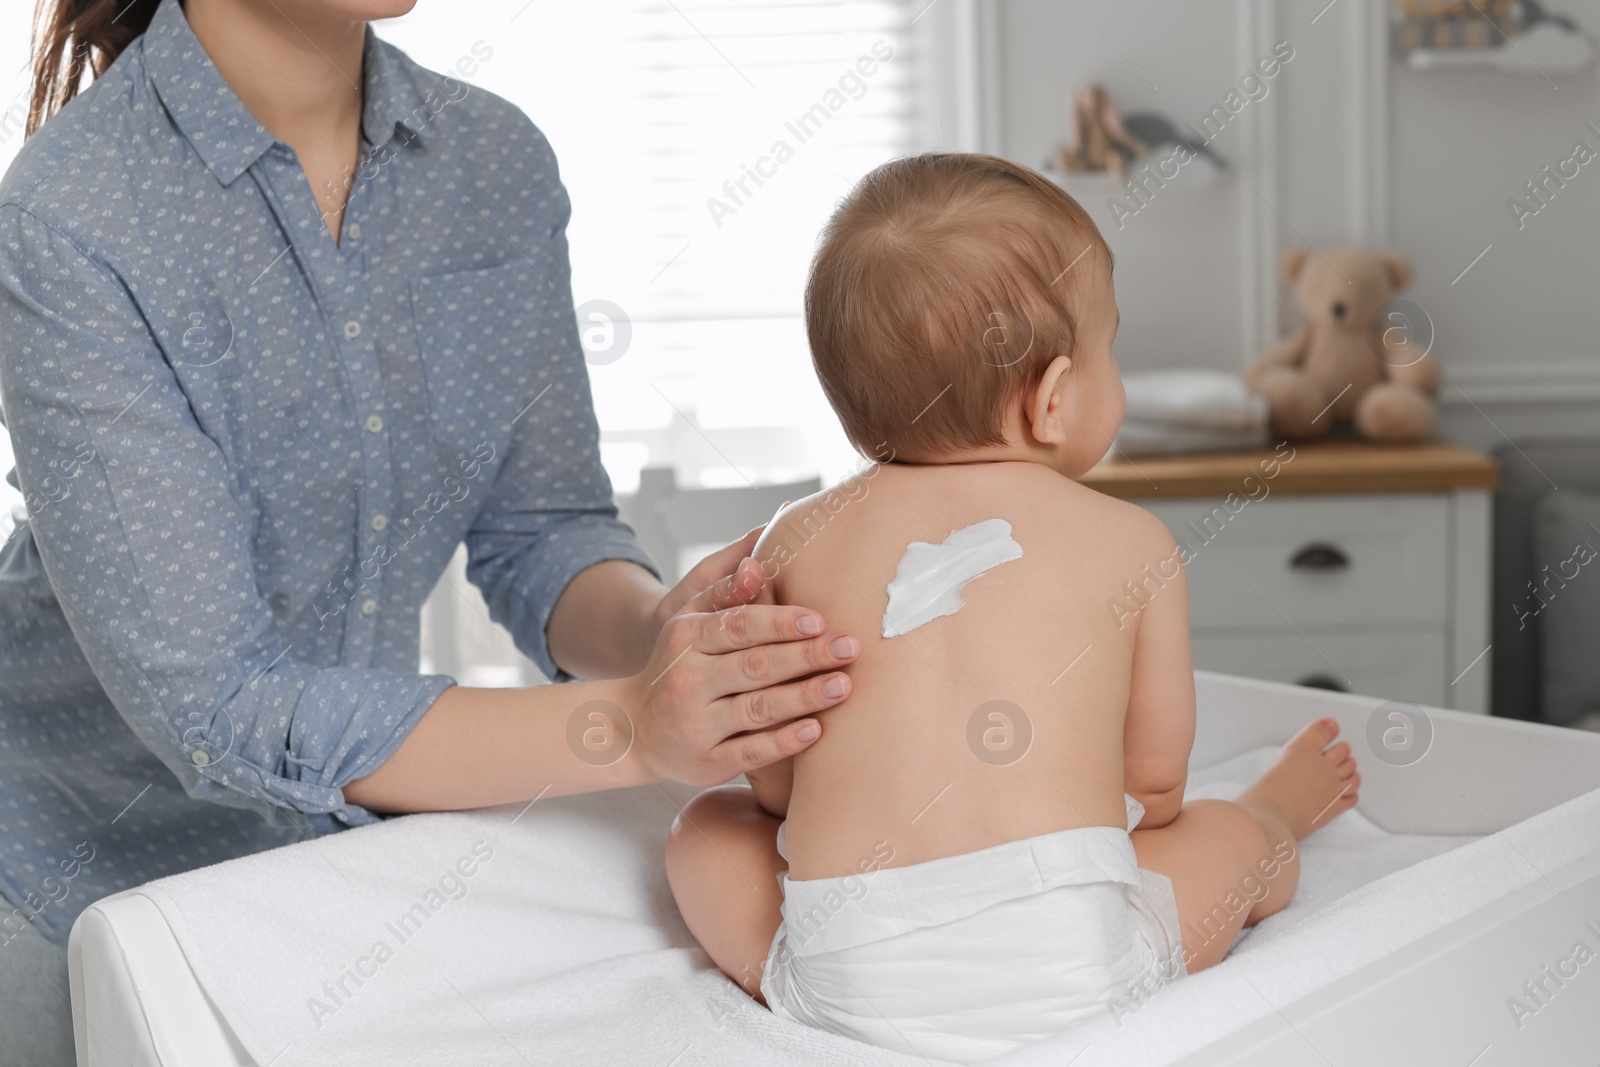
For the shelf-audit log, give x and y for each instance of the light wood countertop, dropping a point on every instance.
(1343, 466)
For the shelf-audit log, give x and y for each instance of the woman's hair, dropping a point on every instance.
(74, 36)
(942, 288)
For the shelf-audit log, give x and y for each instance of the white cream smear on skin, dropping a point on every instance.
(928, 582)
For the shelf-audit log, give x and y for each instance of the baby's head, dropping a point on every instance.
(960, 308)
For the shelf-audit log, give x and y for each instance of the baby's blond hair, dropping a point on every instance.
(939, 293)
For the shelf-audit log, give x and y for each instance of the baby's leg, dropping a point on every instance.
(723, 864)
(1234, 863)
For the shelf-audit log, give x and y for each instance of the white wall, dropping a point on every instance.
(1179, 56)
(1348, 147)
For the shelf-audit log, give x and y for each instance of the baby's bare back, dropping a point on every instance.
(1000, 721)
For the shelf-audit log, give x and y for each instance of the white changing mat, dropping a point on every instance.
(563, 944)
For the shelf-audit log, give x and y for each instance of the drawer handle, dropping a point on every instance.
(1322, 681)
(1320, 556)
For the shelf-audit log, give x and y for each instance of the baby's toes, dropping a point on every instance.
(1351, 794)
(1338, 753)
(1315, 736)
(1347, 769)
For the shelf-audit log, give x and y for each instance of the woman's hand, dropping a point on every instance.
(719, 696)
(607, 621)
(695, 590)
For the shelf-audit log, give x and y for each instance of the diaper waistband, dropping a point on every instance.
(829, 914)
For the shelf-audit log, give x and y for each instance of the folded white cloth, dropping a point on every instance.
(1193, 398)
(1138, 437)
(972, 956)
(1190, 411)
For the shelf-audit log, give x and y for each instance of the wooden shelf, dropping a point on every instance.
(1316, 467)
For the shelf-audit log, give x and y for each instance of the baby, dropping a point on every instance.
(989, 842)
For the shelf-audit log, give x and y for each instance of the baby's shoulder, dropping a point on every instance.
(1109, 519)
(809, 518)
(812, 528)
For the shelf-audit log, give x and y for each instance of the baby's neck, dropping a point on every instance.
(1009, 452)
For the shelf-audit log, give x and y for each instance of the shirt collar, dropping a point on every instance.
(222, 130)
(391, 103)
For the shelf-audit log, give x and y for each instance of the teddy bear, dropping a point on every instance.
(1347, 363)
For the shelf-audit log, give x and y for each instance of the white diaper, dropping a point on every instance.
(969, 957)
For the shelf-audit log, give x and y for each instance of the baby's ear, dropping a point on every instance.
(1046, 418)
(1294, 261)
(1398, 270)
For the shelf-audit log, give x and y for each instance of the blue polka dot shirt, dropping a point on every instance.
(247, 453)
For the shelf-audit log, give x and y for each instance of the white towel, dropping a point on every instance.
(564, 948)
(1138, 437)
(1182, 411)
(1195, 399)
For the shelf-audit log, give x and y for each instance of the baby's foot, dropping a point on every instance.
(1310, 783)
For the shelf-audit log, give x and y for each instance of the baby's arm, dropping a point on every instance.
(1159, 729)
(1287, 353)
(772, 785)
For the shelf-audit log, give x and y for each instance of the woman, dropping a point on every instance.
(283, 319)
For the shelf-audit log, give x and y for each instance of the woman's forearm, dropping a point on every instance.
(711, 702)
(476, 748)
(606, 621)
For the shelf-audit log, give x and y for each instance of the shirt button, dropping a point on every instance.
(352, 329)
(368, 607)
(353, 231)
(374, 423)
(379, 521)
(200, 759)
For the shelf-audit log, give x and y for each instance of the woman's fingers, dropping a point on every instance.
(765, 664)
(721, 563)
(758, 645)
(742, 585)
(750, 752)
(716, 570)
(750, 625)
(761, 709)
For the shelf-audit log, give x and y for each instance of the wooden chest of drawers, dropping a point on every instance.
(1342, 564)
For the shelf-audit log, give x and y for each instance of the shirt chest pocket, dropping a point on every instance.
(477, 337)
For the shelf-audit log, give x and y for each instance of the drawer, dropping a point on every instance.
(1317, 559)
(1396, 664)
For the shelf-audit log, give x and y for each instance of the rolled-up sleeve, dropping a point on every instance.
(148, 552)
(549, 515)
